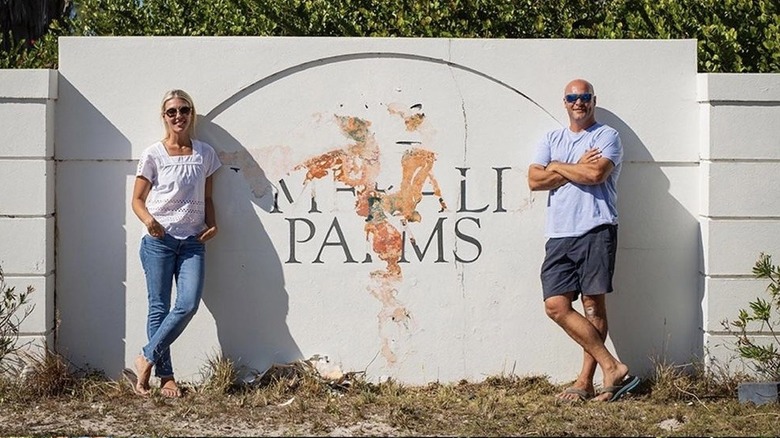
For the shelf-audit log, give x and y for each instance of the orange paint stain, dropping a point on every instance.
(386, 240)
(357, 166)
(414, 121)
(417, 166)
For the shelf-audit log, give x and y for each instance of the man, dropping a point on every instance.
(580, 165)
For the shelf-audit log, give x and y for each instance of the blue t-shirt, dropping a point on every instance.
(574, 209)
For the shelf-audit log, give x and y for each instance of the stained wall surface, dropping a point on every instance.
(443, 132)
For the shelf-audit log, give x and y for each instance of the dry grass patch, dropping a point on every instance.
(295, 400)
(691, 381)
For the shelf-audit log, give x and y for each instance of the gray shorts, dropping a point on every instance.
(583, 264)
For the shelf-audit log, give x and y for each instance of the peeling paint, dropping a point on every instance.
(387, 352)
(417, 166)
(386, 240)
(357, 166)
(412, 121)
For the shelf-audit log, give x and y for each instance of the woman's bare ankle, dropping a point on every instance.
(144, 370)
(169, 387)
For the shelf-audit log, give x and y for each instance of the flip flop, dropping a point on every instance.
(618, 391)
(581, 394)
(131, 378)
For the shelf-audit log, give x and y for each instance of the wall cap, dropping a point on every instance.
(738, 87)
(28, 84)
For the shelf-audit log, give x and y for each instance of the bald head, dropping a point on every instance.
(578, 86)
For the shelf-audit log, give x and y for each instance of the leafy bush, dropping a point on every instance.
(733, 35)
(14, 308)
(764, 357)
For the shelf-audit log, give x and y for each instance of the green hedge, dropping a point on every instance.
(733, 35)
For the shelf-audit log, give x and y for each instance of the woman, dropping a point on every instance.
(172, 197)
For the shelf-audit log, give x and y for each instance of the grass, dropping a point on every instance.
(294, 400)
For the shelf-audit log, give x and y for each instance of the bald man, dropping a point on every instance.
(579, 166)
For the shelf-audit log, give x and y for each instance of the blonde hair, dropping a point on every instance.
(181, 94)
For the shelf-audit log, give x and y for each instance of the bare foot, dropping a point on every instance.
(611, 380)
(143, 369)
(169, 388)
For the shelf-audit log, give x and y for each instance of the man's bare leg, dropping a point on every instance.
(595, 312)
(588, 336)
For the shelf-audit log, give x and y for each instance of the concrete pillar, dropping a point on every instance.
(740, 216)
(27, 194)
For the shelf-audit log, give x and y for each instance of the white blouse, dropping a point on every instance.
(177, 199)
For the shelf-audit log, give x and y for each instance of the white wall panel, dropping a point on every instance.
(743, 131)
(26, 248)
(20, 124)
(742, 189)
(733, 246)
(28, 187)
(726, 296)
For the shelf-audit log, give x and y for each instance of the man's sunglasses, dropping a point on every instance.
(171, 112)
(585, 97)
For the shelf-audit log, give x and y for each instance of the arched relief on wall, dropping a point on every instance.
(383, 147)
(268, 80)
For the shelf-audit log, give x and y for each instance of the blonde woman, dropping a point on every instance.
(172, 197)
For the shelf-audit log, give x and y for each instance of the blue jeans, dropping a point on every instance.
(163, 261)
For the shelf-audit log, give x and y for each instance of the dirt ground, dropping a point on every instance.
(166, 418)
(499, 406)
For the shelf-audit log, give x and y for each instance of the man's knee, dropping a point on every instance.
(557, 306)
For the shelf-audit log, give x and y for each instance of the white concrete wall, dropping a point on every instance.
(268, 104)
(27, 196)
(740, 216)
(695, 199)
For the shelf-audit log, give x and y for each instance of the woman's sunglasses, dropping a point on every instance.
(585, 97)
(184, 110)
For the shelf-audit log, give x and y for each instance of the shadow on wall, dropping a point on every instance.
(245, 290)
(90, 223)
(655, 314)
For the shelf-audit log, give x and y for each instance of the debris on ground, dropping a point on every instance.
(317, 366)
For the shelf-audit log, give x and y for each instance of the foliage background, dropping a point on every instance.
(733, 35)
